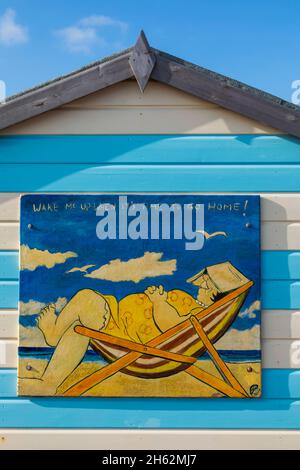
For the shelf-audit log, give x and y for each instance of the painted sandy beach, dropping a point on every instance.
(182, 385)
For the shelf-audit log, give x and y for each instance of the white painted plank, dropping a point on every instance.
(280, 324)
(9, 207)
(274, 236)
(154, 439)
(280, 236)
(8, 353)
(276, 324)
(138, 120)
(9, 324)
(280, 207)
(127, 94)
(276, 353)
(281, 354)
(9, 235)
(274, 207)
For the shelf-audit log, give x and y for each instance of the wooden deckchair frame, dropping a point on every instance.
(229, 386)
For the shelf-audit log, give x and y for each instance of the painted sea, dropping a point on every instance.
(229, 356)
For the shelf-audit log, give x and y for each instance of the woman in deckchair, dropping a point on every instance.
(137, 317)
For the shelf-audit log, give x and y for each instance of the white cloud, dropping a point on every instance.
(31, 258)
(33, 307)
(251, 312)
(88, 32)
(77, 39)
(135, 269)
(11, 33)
(31, 336)
(101, 20)
(240, 339)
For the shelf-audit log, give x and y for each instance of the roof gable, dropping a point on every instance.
(142, 63)
(123, 109)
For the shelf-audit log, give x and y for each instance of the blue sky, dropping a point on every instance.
(255, 41)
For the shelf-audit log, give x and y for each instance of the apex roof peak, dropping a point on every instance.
(142, 61)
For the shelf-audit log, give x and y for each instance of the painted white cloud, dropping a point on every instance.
(135, 269)
(33, 307)
(11, 32)
(31, 336)
(252, 311)
(32, 258)
(88, 32)
(240, 339)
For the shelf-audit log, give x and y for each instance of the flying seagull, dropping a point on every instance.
(84, 269)
(211, 235)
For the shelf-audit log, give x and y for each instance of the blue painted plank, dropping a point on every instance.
(275, 265)
(281, 383)
(9, 265)
(277, 383)
(280, 295)
(150, 413)
(275, 294)
(150, 149)
(280, 264)
(9, 294)
(163, 178)
(8, 383)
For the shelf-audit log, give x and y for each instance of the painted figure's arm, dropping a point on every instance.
(164, 314)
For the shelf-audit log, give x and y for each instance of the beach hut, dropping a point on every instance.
(143, 120)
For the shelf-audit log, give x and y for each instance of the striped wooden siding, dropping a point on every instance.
(241, 158)
(280, 333)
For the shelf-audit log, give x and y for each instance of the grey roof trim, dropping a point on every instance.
(228, 93)
(142, 63)
(65, 89)
(70, 74)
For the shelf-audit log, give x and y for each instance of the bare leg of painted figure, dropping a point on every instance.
(87, 308)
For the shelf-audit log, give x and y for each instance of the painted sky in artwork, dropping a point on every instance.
(67, 229)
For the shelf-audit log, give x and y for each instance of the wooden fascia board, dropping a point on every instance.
(64, 91)
(241, 99)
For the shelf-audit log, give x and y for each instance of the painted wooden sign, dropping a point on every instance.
(140, 295)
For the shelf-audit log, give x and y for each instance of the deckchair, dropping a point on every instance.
(175, 350)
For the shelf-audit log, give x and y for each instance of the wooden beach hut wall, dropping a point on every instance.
(145, 121)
